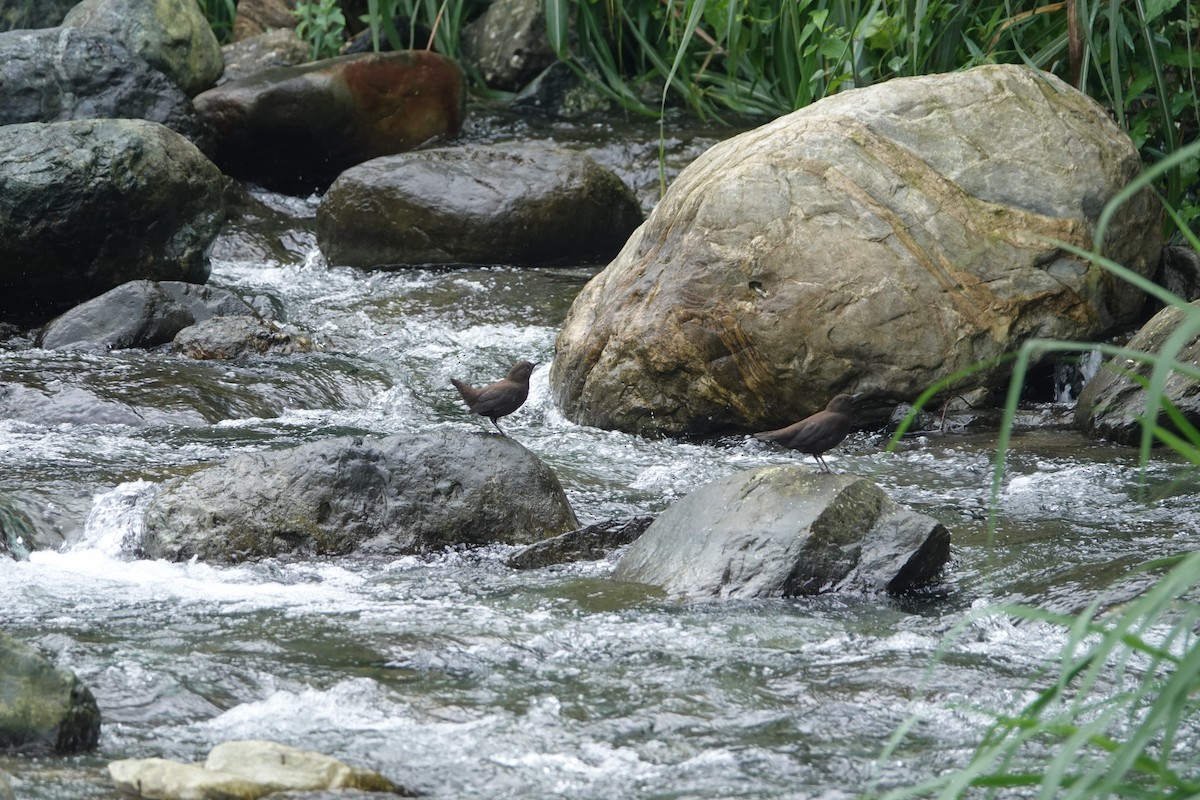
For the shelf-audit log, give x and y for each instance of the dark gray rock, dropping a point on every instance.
(784, 530)
(561, 92)
(508, 44)
(58, 74)
(223, 338)
(172, 35)
(1112, 403)
(1179, 272)
(90, 204)
(413, 493)
(586, 544)
(139, 314)
(43, 709)
(521, 204)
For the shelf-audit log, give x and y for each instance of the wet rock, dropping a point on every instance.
(58, 74)
(274, 48)
(589, 543)
(16, 531)
(6, 792)
(138, 314)
(780, 531)
(413, 493)
(1112, 404)
(877, 240)
(508, 44)
(522, 204)
(90, 204)
(1179, 272)
(172, 35)
(296, 128)
(561, 93)
(247, 769)
(43, 709)
(223, 338)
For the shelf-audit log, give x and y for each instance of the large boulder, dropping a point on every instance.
(523, 204)
(1113, 403)
(297, 128)
(58, 74)
(172, 35)
(42, 14)
(401, 494)
(90, 204)
(780, 531)
(236, 336)
(877, 240)
(280, 47)
(43, 709)
(139, 314)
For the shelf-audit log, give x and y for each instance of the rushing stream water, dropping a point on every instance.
(462, 678)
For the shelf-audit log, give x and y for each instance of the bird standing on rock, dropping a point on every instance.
(501, 398)
(815, 435)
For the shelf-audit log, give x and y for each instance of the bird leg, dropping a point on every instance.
(824, 467)
(497, 424)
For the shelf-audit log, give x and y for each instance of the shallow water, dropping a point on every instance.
(462, 678)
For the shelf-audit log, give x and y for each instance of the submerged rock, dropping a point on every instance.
(586, 544)
(173, 35)
(43, 709)
(877, 240)
(296, 128)
(522, 204)
(780, 531)
(1113, 403)
(228, 337)
(88, 205)
(410, 493)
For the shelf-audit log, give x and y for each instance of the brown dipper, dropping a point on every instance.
(501, 398)
(814, 435)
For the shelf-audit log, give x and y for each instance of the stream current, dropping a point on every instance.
(461, 678)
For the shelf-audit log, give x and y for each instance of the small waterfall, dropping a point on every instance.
(114, 525)
(1071, 375)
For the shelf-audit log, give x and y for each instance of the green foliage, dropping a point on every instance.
(444, 18)
(1114, 721)
(220, 15)
(322, 25)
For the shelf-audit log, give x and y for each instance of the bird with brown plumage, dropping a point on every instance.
(818, 433)
(501, 398)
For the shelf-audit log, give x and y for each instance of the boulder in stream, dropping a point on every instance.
(402, 494)
(877, 240)
(57, 74)
(87, 205)
(1112, 404)
(172, 35)
(227, 337)
(43, 709)
(139, 314)
(781, 531)
(521, 204)
(296, 128)
(508, 44)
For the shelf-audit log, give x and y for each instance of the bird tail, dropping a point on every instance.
(468, 392)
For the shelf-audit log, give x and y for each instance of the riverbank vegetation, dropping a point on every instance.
(1116, 714)
(737, 59)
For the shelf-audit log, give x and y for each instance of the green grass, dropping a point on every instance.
(1109, 719)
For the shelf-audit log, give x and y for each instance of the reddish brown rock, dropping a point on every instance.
(297, 128)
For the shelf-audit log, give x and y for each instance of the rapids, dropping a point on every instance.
(459, 677)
